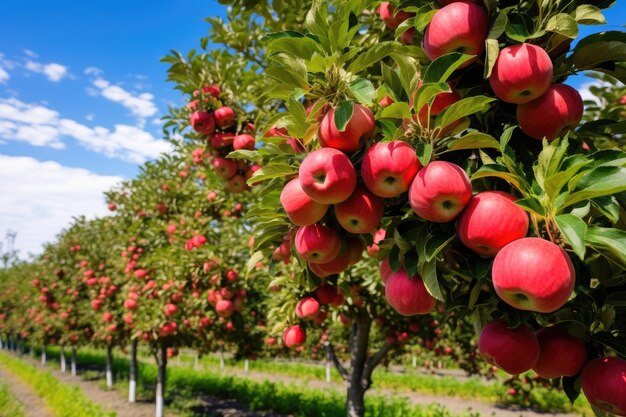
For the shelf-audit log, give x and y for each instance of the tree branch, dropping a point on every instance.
(330, 351)
(374, 361)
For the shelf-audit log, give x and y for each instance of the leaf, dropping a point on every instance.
(441, 68)
(599, 182)
(532, 205)
(610, 242)
(474, 294)
(600, 48)
(571, 386)
(563, 24)
(427, 93)
(492, 50)
(616, 299)
(474, 140)
(435, 245)
(574, 230)
(461, 109)
(519, 26)
(254, 259)
(424, 152)
(343, 114)
(428, 272)
(272, 171)
(363, 90)
(398, 110)
(302, 47)
(371, 56)
(498, 171)
(587, 14)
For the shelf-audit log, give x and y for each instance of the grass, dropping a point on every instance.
(9, 405)
(61, 400)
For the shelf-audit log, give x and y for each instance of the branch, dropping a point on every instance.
(330, 351)
(374, 361)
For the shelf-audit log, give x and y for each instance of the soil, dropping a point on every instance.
(33, 405)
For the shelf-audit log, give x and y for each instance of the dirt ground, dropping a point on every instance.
(33, 405)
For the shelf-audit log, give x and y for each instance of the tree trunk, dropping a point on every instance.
(196, 361)
(1, 343)
(161, 359)
(63, 364)
(132, 384)
(246, 365)
(109, 367)
(328, 366)
(73, 361)
(44, 355)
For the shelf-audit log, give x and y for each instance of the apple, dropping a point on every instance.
(294, 336)
(604, 383)
(112, 206)
(386, 101)
(224, 308)
(213, 90)
(326, 293)
(387, 14)
(458, 27)
(225, 168)
(440, 191)
(141, 273)
(130, 304)
(521, 73)
(491, 220)
(224, 116)
(244, 141)
(317, 243)
(336, 266)
(308, 308)
(236, 184)
(315, 268)
(429, 112)
(389, 167)
(385, 270)
(360, 128)
(361, 212)
(170, 309)
(107, 316)
(374, 249)
(202, 122)
(533, 274)
(514, 350)
(559, 110)
(408, 296)
(355, 250)
(327, 176)
(561, 354)
(301, 209)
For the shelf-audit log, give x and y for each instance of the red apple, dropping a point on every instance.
(308, 308)
(224, 308)
(389, 167)
(224, 116)
(202, 122)
(336, 266)
(440, 191)
(327, 176)
(236, 184)
(355, 250)
(315, 268)
(112, 206)
(533, 274)
(317, 243)
(244, 141)
(561, 353)
(374, 249)
(521, 73)
(514, 350)
(604, 383)
(170, 309)
(301, 209)
(458, 27)
(107, 316)
(326, 293)
(490, 221)
(385, 270)
(360, 127)
(361, 212)
(130, 304)
(225, 168)
(429, 112)
(408, 296)
(387, 14)
(294, 336)
(559, 110)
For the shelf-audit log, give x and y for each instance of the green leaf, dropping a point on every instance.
(571, 386)
(532, 205)
(427, 93)
(474, 294)
(441, 68)
(254, 259)
(302, 47)
(474, 140)
(587, 14)
(563, 24)
(599, 182)
(343, 114)
(435, 245)
(428, 272)
(574, 230)
(616, 299)
(492, 50)
(363, 90)
(371, 56)
(519, 26)
(272, 171)
(462, 108)
(610, 242)
(399, 110)
(498, 171)
(424, 152)
(599, 51)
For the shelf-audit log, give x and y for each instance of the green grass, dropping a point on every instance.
(61, 400)
(9, 405)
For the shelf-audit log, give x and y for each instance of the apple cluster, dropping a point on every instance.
(218, 129)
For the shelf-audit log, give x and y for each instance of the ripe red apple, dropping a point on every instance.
(107, 316)
(389, 167)
(521, 73)
(533, 274)
(225, 168)
(244, 141)
(224, 308)
(326, 293)
(361, 212)
(559, 110)
(490, 221)
(224, 116)
(213, 90)
(408, 296)
(112, 206)
(294, 336)
(170, 309)
(317, 243)
(360, 127)
(130, 304)
(308, 308)
(141, 273)
(458, 27)
(301, 209)
(514, 350)
(336, 266)
(236, 184)
(327, 176)
(604, 383)
(315, 268)
(440, 191)
(355, 250)
(561, 353)
(202, 122)
(387, 14)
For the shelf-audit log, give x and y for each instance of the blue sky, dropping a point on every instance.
(81, 94)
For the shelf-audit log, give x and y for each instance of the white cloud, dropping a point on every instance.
(41, 126)
(90, 117)
(40, 198)
(4, 76)
(30, 53)
(141, 105)
(53, 71)
(93, 71)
